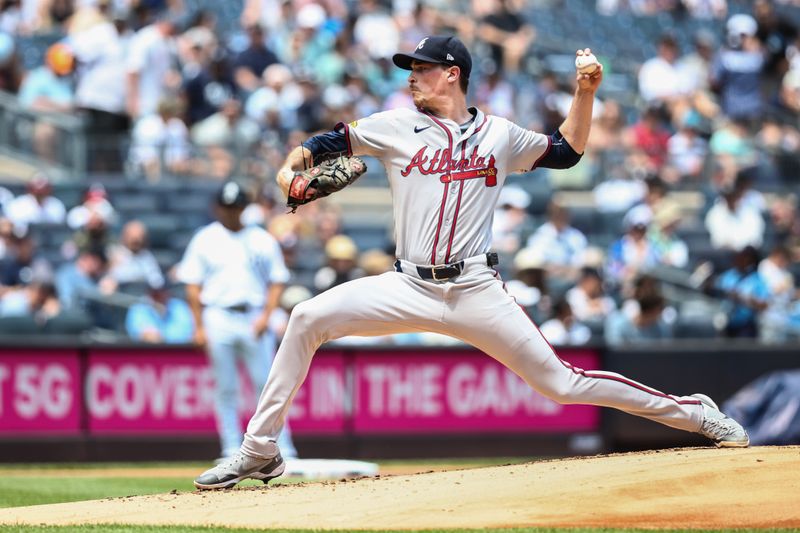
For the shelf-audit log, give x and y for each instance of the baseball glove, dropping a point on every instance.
(323, 179)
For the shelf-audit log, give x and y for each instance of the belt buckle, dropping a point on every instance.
(445, 267)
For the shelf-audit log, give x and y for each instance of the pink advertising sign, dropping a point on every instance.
(456, 391)
(323, 403)
(39, 393)
(150, 391)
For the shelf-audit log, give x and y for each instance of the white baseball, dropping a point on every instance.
(586, 64)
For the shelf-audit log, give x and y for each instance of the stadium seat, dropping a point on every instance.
(584, 219)
(68, 323)
(132, 205)
(695, 328)
(19, 325)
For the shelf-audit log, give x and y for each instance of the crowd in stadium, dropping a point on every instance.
(168, 93)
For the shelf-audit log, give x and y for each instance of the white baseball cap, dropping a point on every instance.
(311, 16)
(742, 24)
(514, 196)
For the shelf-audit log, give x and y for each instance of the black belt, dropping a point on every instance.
(238, 308)
(449, 271)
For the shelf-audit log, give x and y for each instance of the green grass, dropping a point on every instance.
(111, 528)
(18, 491)
(39, 488)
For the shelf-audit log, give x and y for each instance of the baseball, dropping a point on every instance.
(586, 64)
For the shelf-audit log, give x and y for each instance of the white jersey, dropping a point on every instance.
(234, 268)
(444, 184)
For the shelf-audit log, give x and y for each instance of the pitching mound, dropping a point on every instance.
(697, 488)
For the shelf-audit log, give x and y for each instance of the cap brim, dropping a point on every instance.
(404, 60)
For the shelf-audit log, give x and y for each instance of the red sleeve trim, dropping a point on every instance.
(346, 127)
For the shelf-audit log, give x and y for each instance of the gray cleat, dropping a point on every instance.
(720, 428)
(238, 467)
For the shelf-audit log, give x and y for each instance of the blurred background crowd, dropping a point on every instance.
(119, 119)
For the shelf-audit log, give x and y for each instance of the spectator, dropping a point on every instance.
(648, 325)
(39, 206)
(100, 87)
(80, 285)
(7, 237)
(643, 287)
(508, 35)
(736, 73)
(776, 32)
(274, 105)
(606, 134)
(706, 9)
(561, 245)
(687, 149)
(654, 196)
(160, 318)
(37, 299)
(375, 30)
(659, 78)
(694, 68)
(733, 224)
(732, 141)
(774, 270)
(5, 197)
(790, 89)
(226, 136)
(375, 262)
(633, 253)
(341, 254)
(268, 204)
(745, 292)
(310, 40)
(383, 79)
(563, 329)
(208, 89)
(783, 217)
(619, 192)
(649, 136)
(95, 233)
(249, 64)
(495, 94)
(587, 299)
(149, 65)
(160, 142)
(511, 221)
(196, 47)
(670, 250)
(95, 204)
(23, 264)
(131, 261)
(49, 89)
(529, 285)
(10, 67)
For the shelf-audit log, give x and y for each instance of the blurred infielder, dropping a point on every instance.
(234, 278)
(446, 164)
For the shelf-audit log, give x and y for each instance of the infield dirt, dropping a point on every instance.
(689, 488)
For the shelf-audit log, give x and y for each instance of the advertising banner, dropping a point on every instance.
(39, 393)
(459, 391)
(148, 392)
(171, 392)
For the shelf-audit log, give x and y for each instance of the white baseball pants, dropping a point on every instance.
(474, 308)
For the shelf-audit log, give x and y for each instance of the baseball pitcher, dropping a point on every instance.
(446, 163)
